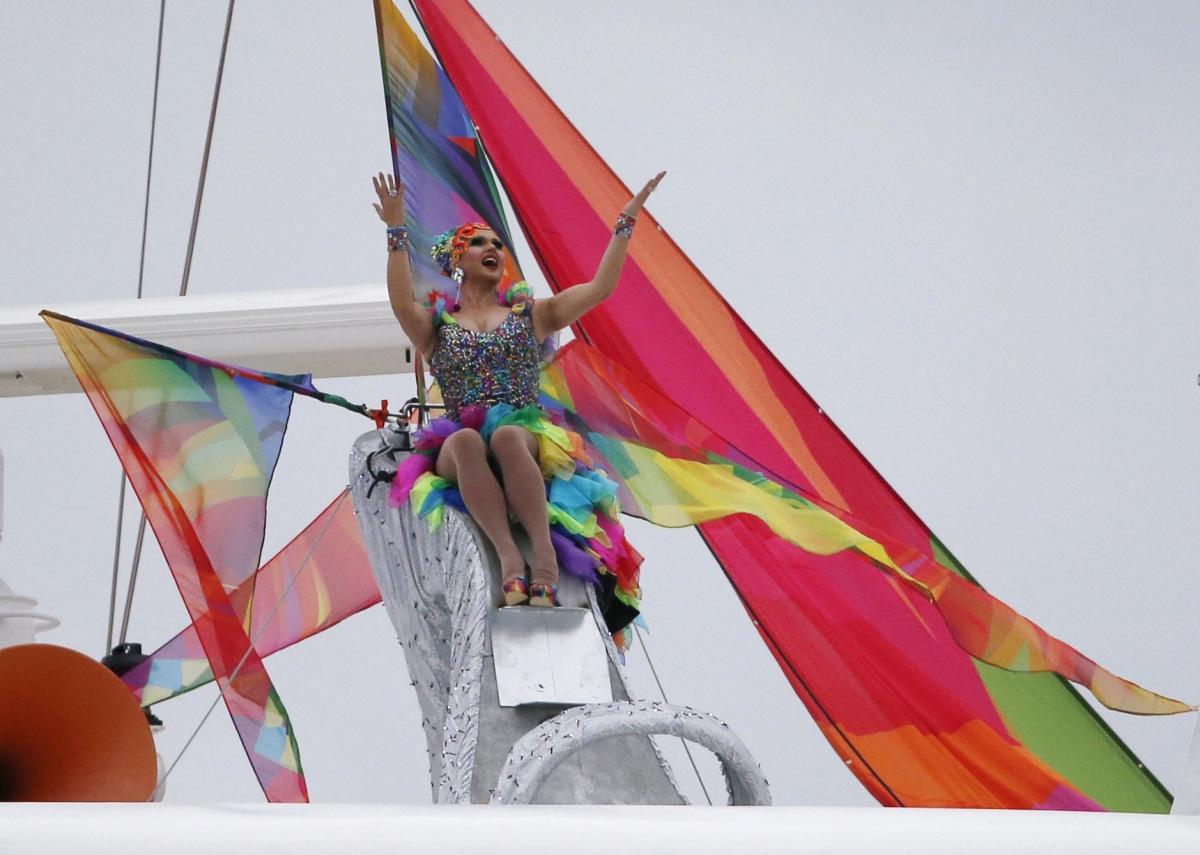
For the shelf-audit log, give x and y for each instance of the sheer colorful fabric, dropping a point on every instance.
(434, 150)
(917, 719)
(675, 472)
(318, 580)
(199, 443)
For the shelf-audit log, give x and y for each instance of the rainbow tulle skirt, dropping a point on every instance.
(582, 500)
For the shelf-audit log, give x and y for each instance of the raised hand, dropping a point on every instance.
(635, 204)
(391, 199)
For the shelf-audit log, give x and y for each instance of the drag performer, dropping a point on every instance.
(483, 344)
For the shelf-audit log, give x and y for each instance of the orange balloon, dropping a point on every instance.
(70, 730)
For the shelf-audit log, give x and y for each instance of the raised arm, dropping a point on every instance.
(566, 307)
(414, 320)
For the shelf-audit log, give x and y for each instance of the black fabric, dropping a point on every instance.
(617, 614)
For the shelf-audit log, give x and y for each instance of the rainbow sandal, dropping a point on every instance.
(516, 591)
(545, 596)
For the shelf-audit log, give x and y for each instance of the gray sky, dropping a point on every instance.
(968, 229)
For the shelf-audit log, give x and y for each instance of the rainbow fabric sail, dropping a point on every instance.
(676, 472)
(917, 719)
(199, 443)
(318, 580)
(434, 149)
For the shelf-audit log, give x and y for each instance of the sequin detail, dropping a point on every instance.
(487, 368)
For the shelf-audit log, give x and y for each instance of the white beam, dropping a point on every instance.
(116, 829)
(346, 331)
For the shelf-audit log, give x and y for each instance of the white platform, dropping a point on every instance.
(346, 331)
(552, 830)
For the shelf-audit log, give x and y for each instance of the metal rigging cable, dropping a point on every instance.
(162, 12)
(212, 120)
(687, 748)
(187, 270)
(133, 572)
(112, 594)
(112, 599)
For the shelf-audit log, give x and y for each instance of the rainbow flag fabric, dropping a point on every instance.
(315, 582)
(676, 472)
(434, 150)
(891, 680)
(199, 443)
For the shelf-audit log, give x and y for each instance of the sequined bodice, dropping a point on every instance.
(487, 368)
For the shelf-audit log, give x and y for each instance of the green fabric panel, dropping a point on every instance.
(1059, 726)
(942, 555)
(1053, 721)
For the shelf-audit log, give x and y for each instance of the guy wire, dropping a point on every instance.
(112, 594)
(162, 11)
(187, 264)
(687, 748)
(112, 598)
(212, 120)
(133, 573)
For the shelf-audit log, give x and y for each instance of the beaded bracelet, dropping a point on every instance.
(397, 238)
(624, 226)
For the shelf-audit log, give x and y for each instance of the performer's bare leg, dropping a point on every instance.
(463, 460)
(516, 450)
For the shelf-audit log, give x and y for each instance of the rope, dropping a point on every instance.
(112, 598)
(212, 120)
(662, 692)
(266, 623)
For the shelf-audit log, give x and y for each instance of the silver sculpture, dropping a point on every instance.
(439, 589)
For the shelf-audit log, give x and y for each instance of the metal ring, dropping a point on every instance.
(541, 750)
